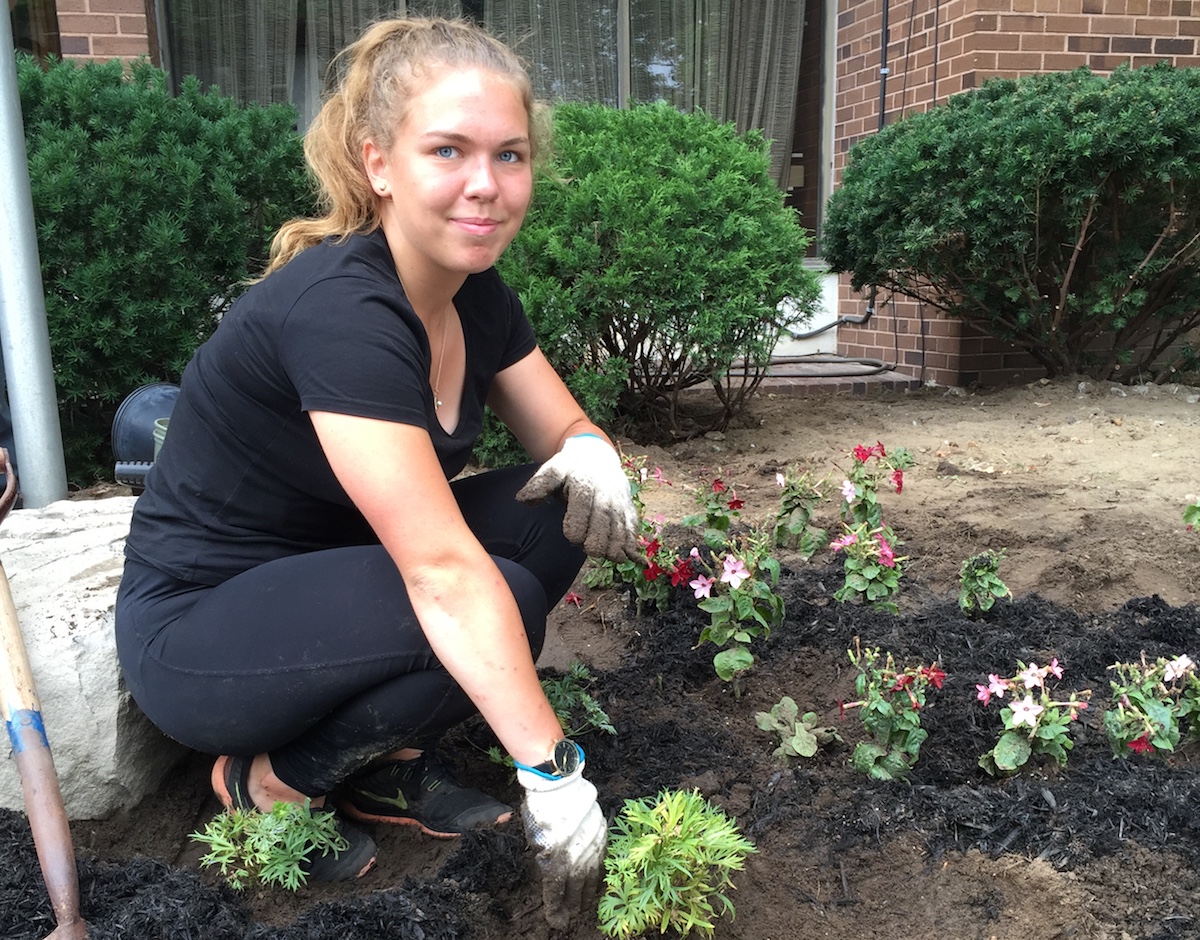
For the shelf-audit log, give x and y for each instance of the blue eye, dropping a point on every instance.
(510, 156)
(446, 152)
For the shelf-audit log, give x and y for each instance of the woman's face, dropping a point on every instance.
(456, 182)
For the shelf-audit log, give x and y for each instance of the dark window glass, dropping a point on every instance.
(35, 27)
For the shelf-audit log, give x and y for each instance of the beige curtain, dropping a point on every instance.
(571, 47)
(247, 48)
(738, 60)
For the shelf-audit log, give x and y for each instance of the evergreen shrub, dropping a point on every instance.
(151, 211)
(1060, 212)
(655, 256)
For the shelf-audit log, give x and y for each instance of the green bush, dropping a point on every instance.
(151, 212)
(1060, 212)
(655, 255)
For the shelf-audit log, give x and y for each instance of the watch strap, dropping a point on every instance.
(547, 769)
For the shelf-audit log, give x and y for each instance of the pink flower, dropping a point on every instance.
(1055, 669)
(658, 476)
(695, 552)
(848, 491)
(898, 480)
(780, 481)
(735, 572)
(572, 598)
(996, 685)
(887, 557)
(846, 540)
(984, 693)
(1026, 712)
(1032, 675)
(702, 586)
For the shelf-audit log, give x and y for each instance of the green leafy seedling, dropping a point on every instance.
(669, 863)
(800, 735)
(576, 708)
(979, 582)
(250, 845)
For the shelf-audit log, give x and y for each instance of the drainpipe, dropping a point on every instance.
(24, 335)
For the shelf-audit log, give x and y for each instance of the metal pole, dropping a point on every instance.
(624, 55)
(883, 67)
(24, 335)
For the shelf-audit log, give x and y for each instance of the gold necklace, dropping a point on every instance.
(437, 380)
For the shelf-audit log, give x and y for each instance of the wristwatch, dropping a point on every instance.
(564, 760)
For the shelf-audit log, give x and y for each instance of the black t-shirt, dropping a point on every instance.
(243, 479)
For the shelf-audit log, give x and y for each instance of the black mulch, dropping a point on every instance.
(680, 726)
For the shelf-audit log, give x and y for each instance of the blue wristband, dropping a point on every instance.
(546, 770)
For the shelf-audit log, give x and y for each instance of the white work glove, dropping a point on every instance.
(600, 512)
(564, 823)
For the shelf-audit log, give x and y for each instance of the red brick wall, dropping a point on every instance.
(976, 40)
(99, 30)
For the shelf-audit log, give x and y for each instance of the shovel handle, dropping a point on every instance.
(31, 753)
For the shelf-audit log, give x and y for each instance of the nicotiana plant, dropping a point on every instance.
(979, 583)
(1035, 722)
(799, 735)
(740, 600)
(1152, 703)
(800, 496)
(1191, 514)
(890, 699)
(873, 569)
(669, 866)
(870, 466)
(732, 577)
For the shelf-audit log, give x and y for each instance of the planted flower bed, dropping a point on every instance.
(867, 835)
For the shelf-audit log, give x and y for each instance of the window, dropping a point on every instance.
(35, 27)
(738, 60)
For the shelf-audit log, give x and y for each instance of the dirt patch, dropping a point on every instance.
(1082, 484)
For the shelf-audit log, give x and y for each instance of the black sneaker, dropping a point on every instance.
(231, 784)
(420, 792)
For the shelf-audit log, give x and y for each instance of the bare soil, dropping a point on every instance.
(1081, 483)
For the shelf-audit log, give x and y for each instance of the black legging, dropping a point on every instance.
(318, 659)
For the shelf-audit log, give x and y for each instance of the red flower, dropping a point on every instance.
(863, 454)
(935, 675)
(682, 572)
(878, 448)
(902, 682)
(898, 480)
(653, 571)
(652, 548)
(718, 486)
(1142, 745)
(736, 503)
(572, 598)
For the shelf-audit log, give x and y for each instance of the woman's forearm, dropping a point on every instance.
(474, 627)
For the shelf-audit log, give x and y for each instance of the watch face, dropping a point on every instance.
(566, 757)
